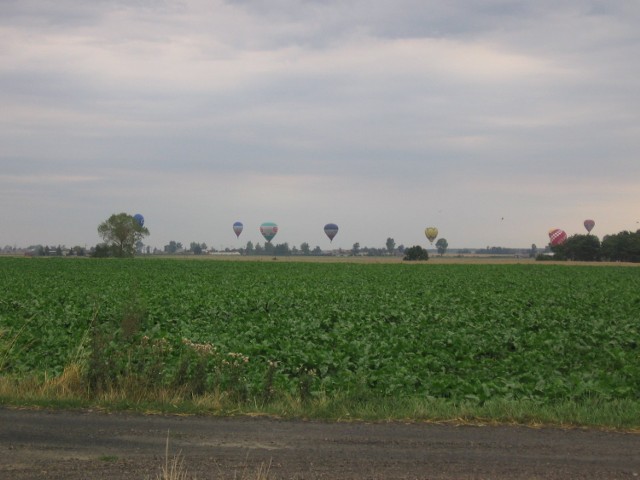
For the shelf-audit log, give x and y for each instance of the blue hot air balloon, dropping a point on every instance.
(331, 229)
(237, 228)
(139, 218)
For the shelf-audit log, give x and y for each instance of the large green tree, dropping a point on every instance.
(622, 247)
(120, 233)
(442, 246)
(282, 249)
(391, 245)
(583, 248)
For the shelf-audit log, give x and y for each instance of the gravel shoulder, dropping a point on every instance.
(74, 445)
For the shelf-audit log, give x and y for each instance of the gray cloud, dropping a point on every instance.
(460, 107)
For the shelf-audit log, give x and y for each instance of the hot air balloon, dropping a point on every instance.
(139, 219)
(431, 233)
(331, 229)
(237, 228)
(268, 230)
(557, 236)
(589, 224)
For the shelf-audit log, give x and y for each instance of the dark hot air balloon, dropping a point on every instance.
(331, 229)
(589, 224)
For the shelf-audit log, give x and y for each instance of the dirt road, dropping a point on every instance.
(91, 445)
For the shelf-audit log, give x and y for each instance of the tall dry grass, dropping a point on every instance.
(174, 468)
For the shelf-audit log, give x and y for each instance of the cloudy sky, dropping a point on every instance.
(492, 120)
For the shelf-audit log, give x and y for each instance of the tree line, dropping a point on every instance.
(620, 247)
(122, 237)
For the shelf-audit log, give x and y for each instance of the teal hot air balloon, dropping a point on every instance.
(237, 228)
(268, 230)
(331, 229)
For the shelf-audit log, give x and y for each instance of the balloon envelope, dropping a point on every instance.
(557, 236)
(431, 233)
(139, 218)
(331, 229)
(589, 224)
(268, 230)
(237, 228)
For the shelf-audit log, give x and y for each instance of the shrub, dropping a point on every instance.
(416, 253)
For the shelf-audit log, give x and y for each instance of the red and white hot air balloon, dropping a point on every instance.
(557, 236)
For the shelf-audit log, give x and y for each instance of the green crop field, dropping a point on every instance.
(261, 329)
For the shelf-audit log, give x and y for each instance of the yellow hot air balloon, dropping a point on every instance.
(431, 233)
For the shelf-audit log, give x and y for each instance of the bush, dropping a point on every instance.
(101, 250)
(416, 253)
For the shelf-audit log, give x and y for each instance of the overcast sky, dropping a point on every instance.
(492, 120)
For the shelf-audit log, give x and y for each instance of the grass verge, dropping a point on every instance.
(70, 391)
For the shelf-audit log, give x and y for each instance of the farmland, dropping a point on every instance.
(260, 330)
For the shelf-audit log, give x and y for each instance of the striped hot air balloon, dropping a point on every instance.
(268, 230)
(237, 228)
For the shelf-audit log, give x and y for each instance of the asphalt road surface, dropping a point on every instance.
(70, 445)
